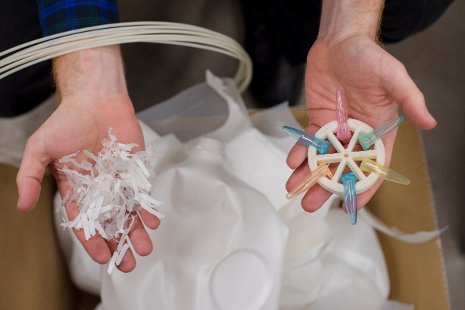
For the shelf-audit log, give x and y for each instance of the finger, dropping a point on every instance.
(96, 246)
(150, 220)
(315, 198)
(140, 239)
(404, 91)
(297, 155)
(301, 173)
(129, 261)
(31, 173)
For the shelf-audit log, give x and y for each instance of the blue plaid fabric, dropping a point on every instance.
(63, 15)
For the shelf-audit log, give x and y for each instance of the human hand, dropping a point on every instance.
(373, 83)
(93, 98)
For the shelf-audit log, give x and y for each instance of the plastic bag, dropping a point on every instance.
(223, 243)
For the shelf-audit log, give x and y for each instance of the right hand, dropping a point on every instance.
(93, 97)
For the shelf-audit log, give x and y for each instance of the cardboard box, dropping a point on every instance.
(33, 273)
(34, 276)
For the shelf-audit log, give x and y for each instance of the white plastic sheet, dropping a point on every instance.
(213, 249)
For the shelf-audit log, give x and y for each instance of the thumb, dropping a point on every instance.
(31, 173)
(403, 90)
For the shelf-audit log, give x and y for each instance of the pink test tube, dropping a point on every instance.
(343, 132)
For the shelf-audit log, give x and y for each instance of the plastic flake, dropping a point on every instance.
(109, 189)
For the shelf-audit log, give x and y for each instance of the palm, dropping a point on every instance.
(72, 128)
(358, 70)
(372, 82)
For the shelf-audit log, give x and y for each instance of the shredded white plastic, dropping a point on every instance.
(110, 189)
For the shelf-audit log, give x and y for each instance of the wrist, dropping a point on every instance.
(345, 18)
(94, 74)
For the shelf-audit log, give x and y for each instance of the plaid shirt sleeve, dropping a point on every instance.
(63, 15)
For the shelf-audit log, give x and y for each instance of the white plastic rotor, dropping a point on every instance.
(346, 157)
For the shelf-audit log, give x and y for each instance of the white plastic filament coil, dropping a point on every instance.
(30, 53)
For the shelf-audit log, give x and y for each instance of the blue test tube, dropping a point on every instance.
(350, 195)
(307, 139)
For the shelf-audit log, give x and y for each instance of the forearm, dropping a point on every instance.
(342, 18)
(94, 74)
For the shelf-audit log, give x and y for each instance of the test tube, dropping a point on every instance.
(343, 132)
(350, 195)
(321, 171)
(386, 173)
(308, 139)
(368, 139)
